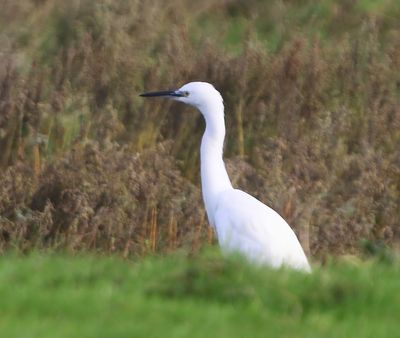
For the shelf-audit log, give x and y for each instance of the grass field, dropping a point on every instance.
(203, 295)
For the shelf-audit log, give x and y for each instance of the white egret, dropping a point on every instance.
(243, 224)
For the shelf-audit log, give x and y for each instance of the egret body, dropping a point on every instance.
(242, 223)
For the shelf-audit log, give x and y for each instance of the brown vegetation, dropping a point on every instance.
(313, 127)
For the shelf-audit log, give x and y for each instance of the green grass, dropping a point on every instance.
(205, 295)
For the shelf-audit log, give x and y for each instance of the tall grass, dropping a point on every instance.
(312, 109)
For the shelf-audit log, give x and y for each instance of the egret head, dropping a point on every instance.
(197, 94)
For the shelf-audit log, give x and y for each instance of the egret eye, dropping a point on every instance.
(185, 93)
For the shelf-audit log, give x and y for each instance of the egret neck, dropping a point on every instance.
(214, 177)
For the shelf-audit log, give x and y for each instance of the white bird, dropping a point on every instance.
(242, 223)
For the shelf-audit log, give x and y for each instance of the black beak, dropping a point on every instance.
(164, 93)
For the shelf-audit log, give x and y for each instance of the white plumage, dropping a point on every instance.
(242, 223)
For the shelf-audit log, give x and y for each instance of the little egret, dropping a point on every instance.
(242, 223)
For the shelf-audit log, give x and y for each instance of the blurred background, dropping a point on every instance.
(311, 91)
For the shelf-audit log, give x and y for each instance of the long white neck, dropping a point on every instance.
(214, 178)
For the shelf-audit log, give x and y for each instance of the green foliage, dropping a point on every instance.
(179, 296)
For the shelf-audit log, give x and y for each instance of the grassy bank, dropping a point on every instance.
(205, 295)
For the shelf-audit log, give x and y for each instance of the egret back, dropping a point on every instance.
(247, 226)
